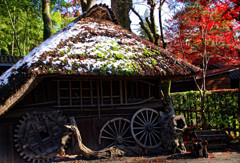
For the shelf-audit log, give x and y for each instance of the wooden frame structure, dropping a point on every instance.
(96, 93)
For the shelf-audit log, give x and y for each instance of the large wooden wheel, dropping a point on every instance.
(38, 136)
(116, 132)
(145, 128)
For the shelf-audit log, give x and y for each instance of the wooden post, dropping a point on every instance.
(91, 92)
(58, 92)
(111, 91)
(70, 92)
(101, 93)
(81, 99)
(98, 100)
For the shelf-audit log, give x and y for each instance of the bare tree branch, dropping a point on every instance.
(142, 25)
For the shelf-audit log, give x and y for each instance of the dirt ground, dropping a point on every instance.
(216, 156)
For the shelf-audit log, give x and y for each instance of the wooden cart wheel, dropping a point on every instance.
(116, 132)
(38, 136)
(145, 128)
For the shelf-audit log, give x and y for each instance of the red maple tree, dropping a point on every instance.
(206, 32)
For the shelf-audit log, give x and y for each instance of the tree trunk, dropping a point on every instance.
(166, 85)
(121, 9)
(86, 4)
(203, 89)
(13, 28)
(239, 94)
(13, 34)
(47, 21)
(25, 33)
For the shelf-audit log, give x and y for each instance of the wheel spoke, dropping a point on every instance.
(125, 138)
(114, 124)
(154, 119)
(125, 131)
(156, 135)
(153, 138)
(108, 133)
(142, 136)
(156, 127)
(119, 126)
(140, 120)
(150, 139)
(147, 115)
(146, 137)
(112, 130)
(138, 123)
(111, 144)
(121, 133)
(129, 141)
(156, 131)
(109, 138)
(143, 118)
(151, 117)
(155, 124)
(138, 128)
(139, 132)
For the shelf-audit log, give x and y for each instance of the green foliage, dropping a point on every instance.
(221, 107)
(28, 24)
(114, 48)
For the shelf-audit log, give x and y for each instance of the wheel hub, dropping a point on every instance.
(149, 128)
(119, 140)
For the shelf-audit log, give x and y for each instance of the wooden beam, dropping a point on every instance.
(101, 93)
(125, 87)
(121, 93)
(81, 101)
(111, 90)
(98, 100)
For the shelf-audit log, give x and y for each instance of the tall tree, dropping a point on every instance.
(47, 21)
(121, 9)
(149, 27)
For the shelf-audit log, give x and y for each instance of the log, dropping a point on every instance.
(84, 151)
(173, 127)
(199, 149)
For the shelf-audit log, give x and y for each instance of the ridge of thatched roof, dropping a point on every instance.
(95, 47)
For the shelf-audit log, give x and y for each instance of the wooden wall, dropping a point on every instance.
(43, 98)
(220, 81)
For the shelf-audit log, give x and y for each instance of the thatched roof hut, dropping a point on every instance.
(92, 45)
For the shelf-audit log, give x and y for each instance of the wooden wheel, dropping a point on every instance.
(145, 128)
(38, 136)
(116, 132)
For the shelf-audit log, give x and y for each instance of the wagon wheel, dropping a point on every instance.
(145, 128)
(38, 136)
(116, 132)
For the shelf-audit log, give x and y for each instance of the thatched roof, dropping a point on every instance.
(95, 45)
(8, 60)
